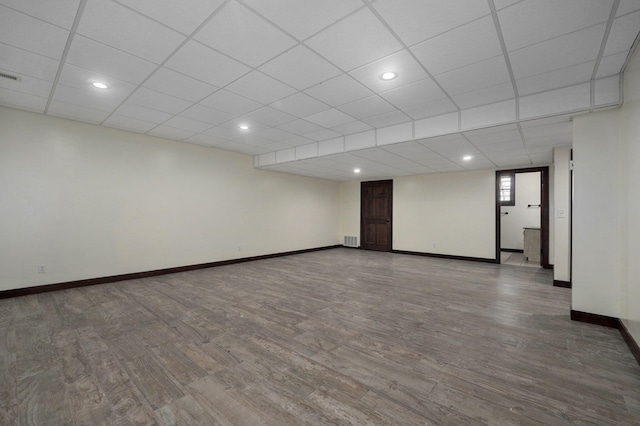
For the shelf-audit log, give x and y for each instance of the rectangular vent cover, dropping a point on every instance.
(350, 241)
(10, 77)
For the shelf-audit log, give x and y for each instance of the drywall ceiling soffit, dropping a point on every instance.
(304, 75)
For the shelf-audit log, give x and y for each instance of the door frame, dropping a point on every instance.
(544, 211)
(362, 225)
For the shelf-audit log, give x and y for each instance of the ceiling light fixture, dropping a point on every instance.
(356, 170)
(244, 127)
(389, 75)
(467, 158)
(99, 85)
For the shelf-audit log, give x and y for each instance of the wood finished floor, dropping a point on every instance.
(340, 336)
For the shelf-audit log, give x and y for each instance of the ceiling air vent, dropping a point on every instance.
(10, 77)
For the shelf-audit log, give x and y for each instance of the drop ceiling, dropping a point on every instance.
(497, 80)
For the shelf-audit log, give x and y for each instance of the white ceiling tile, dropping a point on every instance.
(98, 57)
(156, 100)
(296, 140)
(93, 99)
(430, 109)
(484, 96)
(627, 6)
(611, 65)
(418, 20)
(555, 79)
(286, 155)
(124, 29)
(24, 63)
(388, 119)
(31, 34)
(473, 42)
(170, 133)
(557, 101)
(331, 146)
(300, 105)
(303, 18)
(435, 126)
(322, 135)
(532, 21)
(413, 94)
(494, 135)
(76, 112)
(350, 128)
(300, 127)
(243, 35)
(269, 116)
(362, 39)
(231, 103)
(623, 33)
(142, 113)
(447, 143)
(367, 107)
(394, 134)
(236, 133)
(306, 151)
(81, 78)
(501, 4)
(260, 88)
(329, 118)
(60, 13)
(205, 140)
(562, 52)
(13, 99)
(185, 123)
(128, 123)
(28, 85)
(300, 67)
(219, 132)
(177, 15)
(414, 151)
(205, 64)
(488, 115)
(607, 91)
(487, 73)
(181, 86)
(339, 90)
(275, 134)
(403, 63)
(206, 114)
(512, 147)
(360, 141)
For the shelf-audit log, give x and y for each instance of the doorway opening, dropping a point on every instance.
(522, 217)
(376, 207)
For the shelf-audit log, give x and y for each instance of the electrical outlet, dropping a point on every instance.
(434, 245)
(239, 248)
(42, 269)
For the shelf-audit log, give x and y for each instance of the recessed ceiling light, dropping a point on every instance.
(244, 127)
(467, 157)
(356, 170)
(389, 75)
(99, 85)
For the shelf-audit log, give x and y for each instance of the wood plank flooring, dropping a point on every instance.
(339, 336)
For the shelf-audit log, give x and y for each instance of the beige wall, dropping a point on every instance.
(606, 273)
(454, 211)
(561, 213)
(445, 213)
(88, 201)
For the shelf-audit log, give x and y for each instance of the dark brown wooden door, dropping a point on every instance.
(375, 215)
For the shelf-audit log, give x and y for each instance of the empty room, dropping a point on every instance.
(309, 212)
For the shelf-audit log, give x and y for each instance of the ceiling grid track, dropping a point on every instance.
(67, 46)
(505, 53)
